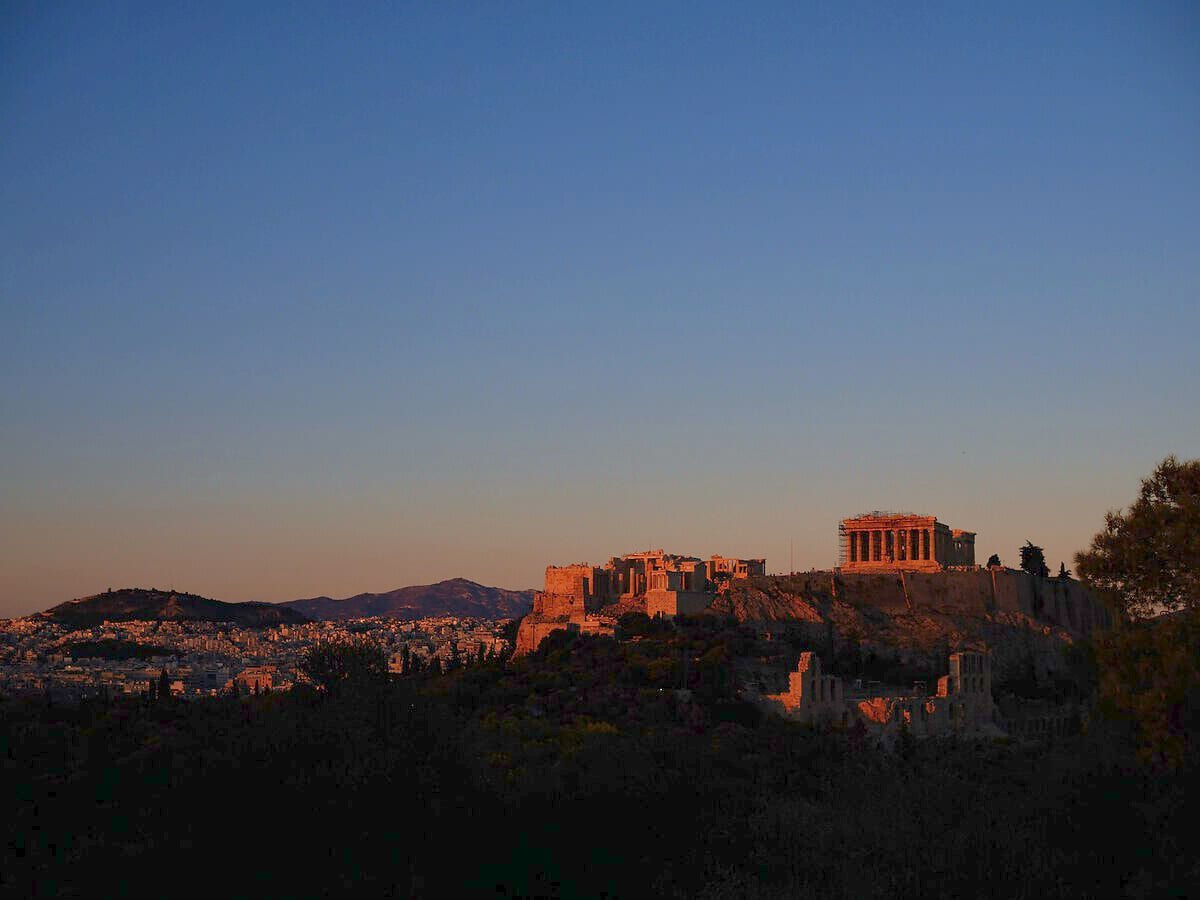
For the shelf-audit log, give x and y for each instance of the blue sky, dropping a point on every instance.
(301, 300)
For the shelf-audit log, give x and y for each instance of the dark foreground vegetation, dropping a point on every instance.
(578, 771)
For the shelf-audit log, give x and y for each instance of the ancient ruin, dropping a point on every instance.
(963, 702)
(721, 566)
(668, 584)
(883, 541)
(812, 696)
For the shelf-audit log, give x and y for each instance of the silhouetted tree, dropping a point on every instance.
(633, 624)
(1063, 572)
(994, 560)
(336, 665)
(480, 656)
(1033, 560)
(1147, 559)
(1146, 562)
(1150, 678)
(164, 687)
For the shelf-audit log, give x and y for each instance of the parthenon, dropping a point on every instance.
(888, 541)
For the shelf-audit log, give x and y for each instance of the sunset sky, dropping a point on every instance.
(307, 299)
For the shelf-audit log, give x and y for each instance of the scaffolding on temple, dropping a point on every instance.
(843, 544)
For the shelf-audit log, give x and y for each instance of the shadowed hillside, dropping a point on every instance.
(1024, 620)
(456, 597)
(128, 604)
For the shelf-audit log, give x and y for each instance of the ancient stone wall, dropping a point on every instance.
(570, 581)
(560, 605)
(978, 592)
(811, 695)
(674, 603)
(963, 703)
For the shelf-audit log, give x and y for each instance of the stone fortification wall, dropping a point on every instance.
(674, 603)
(558, 605)
(978, 592)
(570, 581)
(532, 631)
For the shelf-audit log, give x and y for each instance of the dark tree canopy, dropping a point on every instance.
(1033, 560)
(339, 664)
(1147, 559)
(994, 560)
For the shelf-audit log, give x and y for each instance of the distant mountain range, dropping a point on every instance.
(456, 597)
(149, 604)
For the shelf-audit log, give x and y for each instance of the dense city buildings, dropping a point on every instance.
(210, 658)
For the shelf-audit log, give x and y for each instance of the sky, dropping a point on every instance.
(302, 299)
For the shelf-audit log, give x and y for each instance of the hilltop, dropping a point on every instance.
(455, 597)
(151, 604)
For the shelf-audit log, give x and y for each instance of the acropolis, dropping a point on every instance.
(883, 541)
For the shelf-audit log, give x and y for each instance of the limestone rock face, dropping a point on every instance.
(1026, 621)
(533, 629)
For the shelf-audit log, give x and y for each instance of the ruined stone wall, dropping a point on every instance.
(532, 631)
(558, 605)
(927, 716)
(811, 696)
(674, 603)
(569, 581)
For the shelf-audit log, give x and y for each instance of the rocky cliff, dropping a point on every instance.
(1024, 620)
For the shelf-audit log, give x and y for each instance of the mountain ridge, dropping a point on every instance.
(454, 596)
(151, 604)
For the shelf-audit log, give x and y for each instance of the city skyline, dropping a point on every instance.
(325, 304)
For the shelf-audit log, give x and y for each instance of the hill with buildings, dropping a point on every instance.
(455, 597)
(904, 620)
(151, 604)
